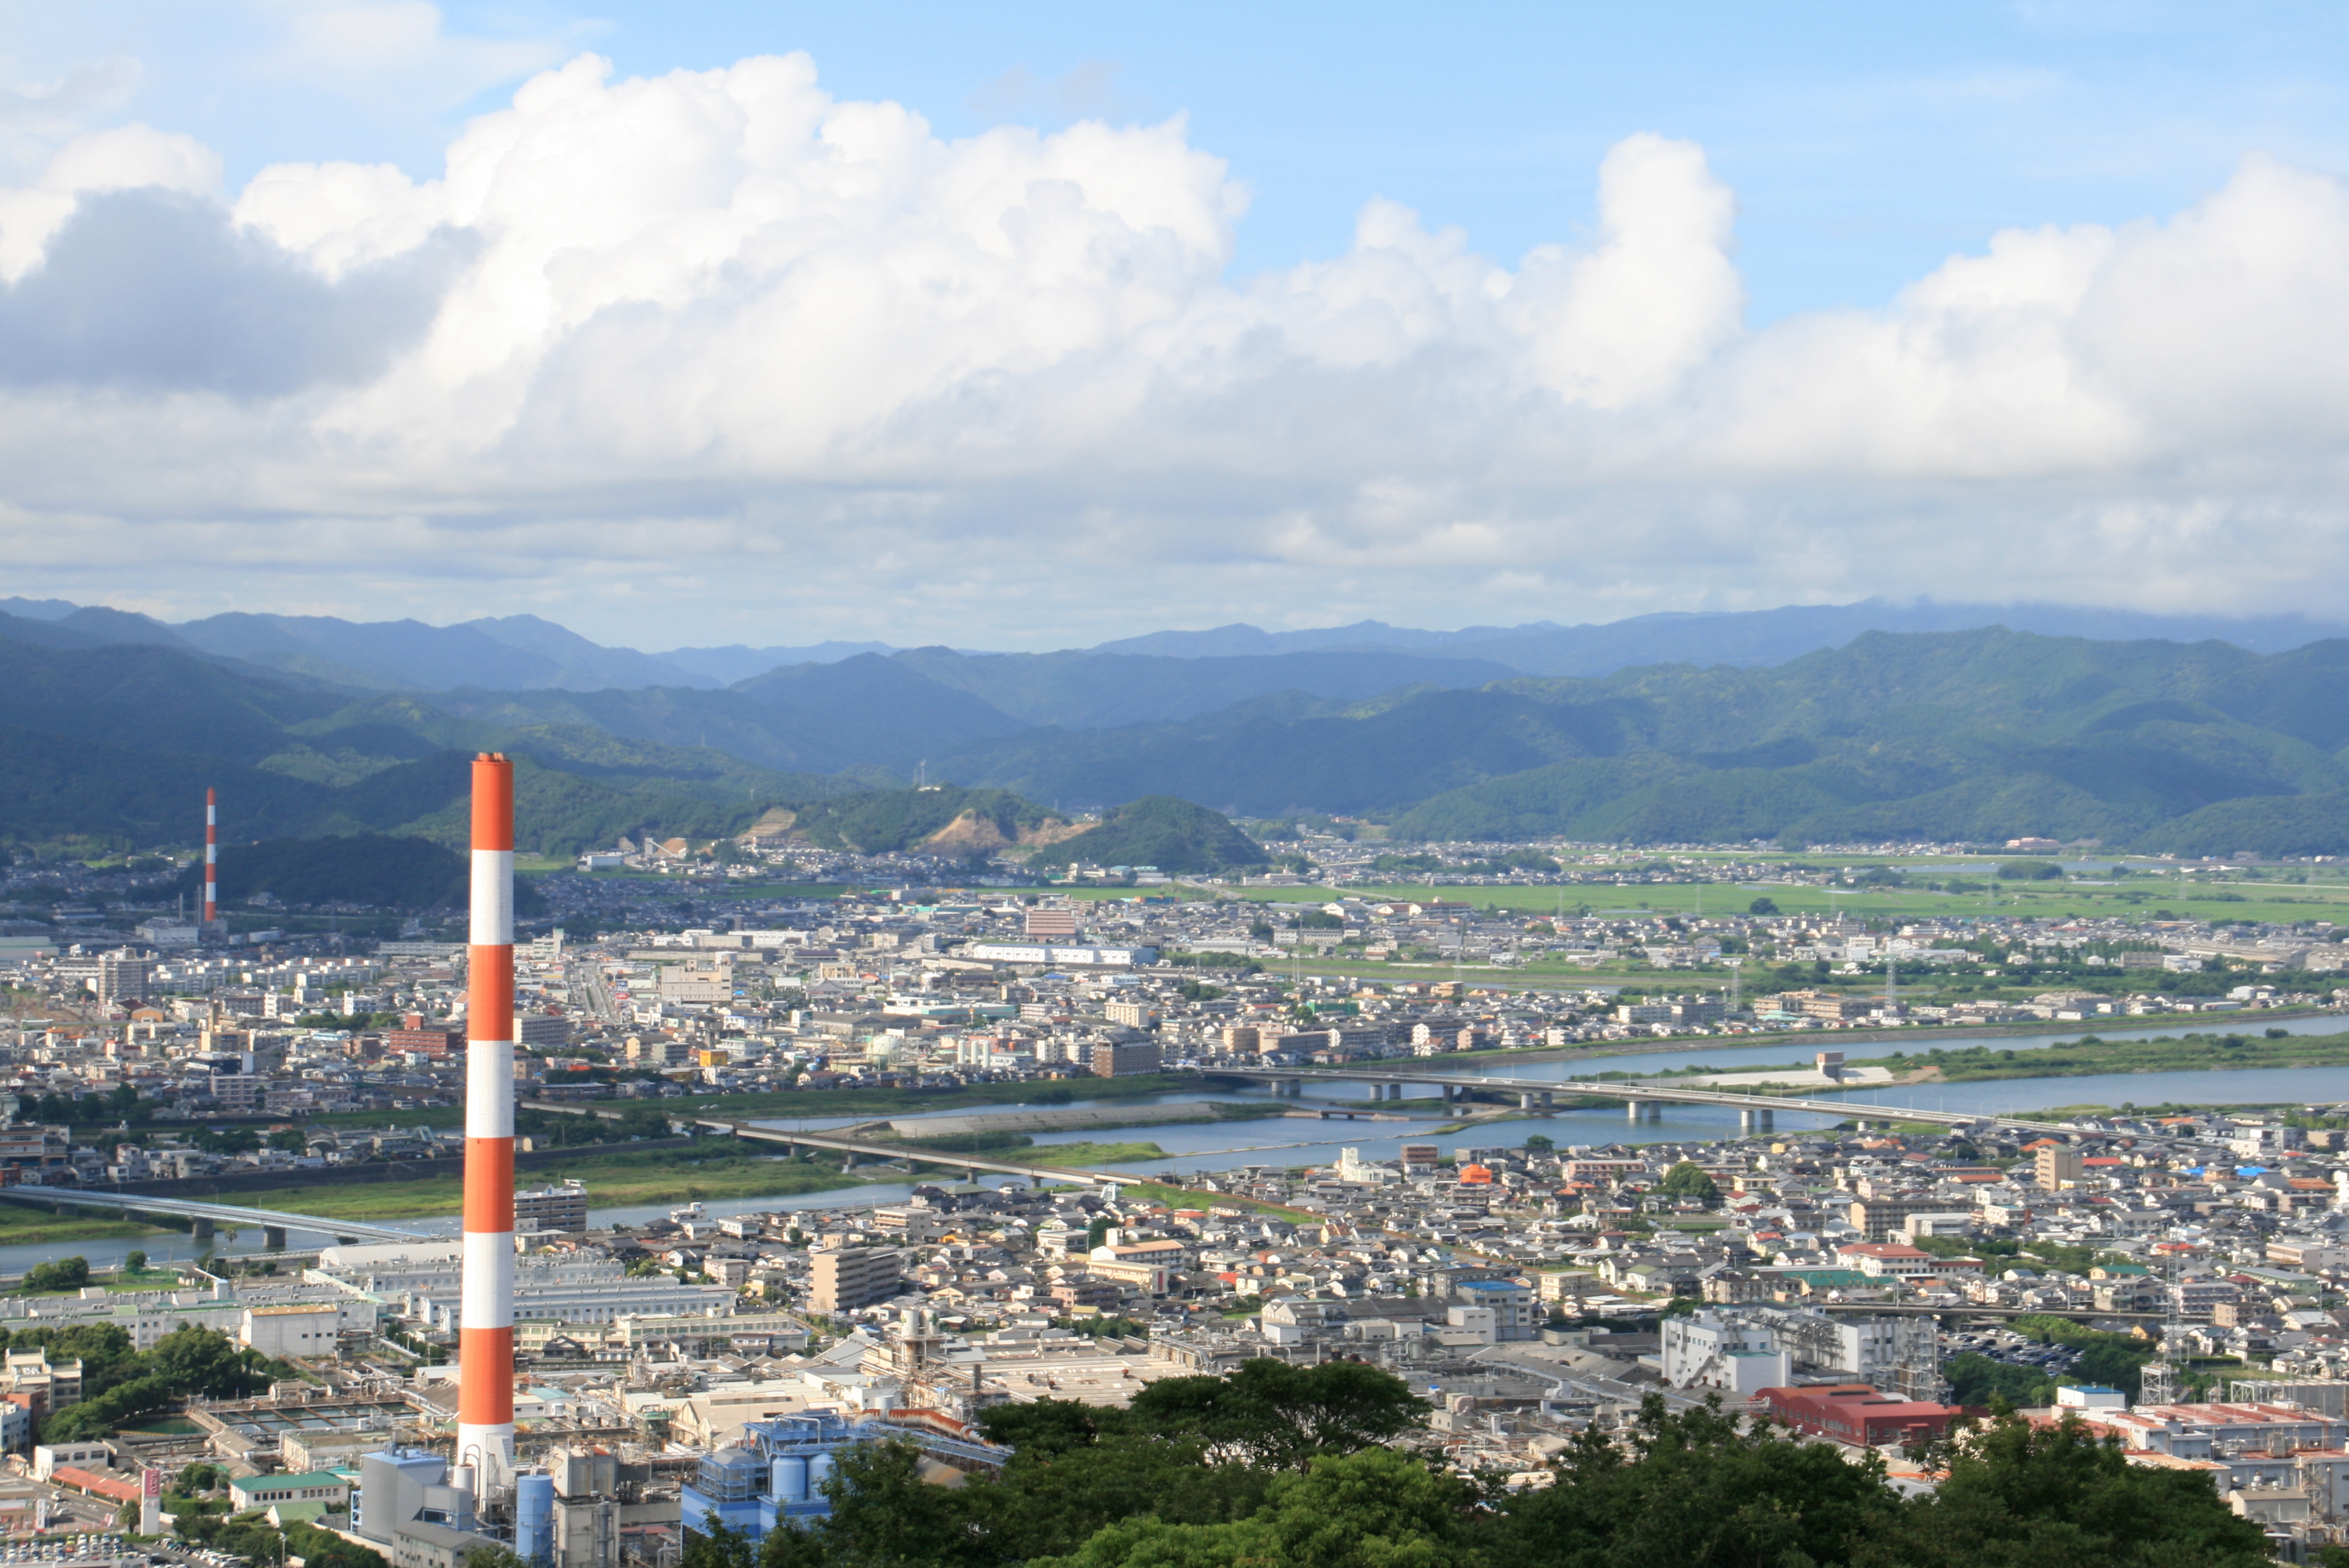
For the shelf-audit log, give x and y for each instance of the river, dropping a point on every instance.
(1282, 1141)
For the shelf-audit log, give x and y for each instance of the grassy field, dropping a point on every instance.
(22, 1226)
(2324, 895)
(1091, 1155)
(614, 1180)
(2297, 894)
(2189, 1052)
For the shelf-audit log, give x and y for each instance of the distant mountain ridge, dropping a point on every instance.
(1731, 636)
(109, 723)
(736, 661)
(1975, 735)
(526, 653)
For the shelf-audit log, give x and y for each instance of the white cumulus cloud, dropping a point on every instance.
(719, 338)
(127, 157)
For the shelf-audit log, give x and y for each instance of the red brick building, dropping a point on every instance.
(1856, 1414)
(438, 1045)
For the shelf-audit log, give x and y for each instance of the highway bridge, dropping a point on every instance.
(856, 1149)
(274, 1222)
(1643, 1099)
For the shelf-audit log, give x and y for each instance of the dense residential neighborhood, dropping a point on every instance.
(2171, 1277)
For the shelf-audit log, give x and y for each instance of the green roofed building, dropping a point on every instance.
(268, 1491)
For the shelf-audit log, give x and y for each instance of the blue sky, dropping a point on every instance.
(1789, 180)
(1866, 141)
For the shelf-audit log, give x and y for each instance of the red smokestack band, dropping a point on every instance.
(211, 854)
(485, 1333)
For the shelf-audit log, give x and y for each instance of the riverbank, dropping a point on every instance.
(1091, 1156)
(1835, 1039)
(781, 1104)
(614, 1180)
(1000, 1130)
(2169, 1053)
(22, 1226)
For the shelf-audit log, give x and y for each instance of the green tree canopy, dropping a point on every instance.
(58, 1274)
(2055, 1497)
(1688, 1180)
(1275, 1414)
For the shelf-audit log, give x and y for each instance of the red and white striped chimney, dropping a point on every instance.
(485, 1429)
(212, 855)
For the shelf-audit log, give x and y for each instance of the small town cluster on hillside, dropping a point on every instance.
(2177, 1281)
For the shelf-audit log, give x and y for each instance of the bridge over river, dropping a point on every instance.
(1643, 1101)
(856, 1149)
(274, 1222)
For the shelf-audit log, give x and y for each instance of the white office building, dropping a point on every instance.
(1735, 1354)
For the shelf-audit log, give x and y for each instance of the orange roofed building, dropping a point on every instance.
(1859, 1415)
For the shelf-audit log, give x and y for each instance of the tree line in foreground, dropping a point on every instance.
(1291, 1466)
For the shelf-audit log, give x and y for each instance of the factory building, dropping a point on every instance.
(775, 1474)
(417, 1512)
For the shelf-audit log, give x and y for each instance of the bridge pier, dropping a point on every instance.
(1643, 1110)
(202, 1229)
(1546, 1101)
(1450, 1092)
(1394, 1091)
(1378, 1089)
(272, 1237)
(1525, 1101)
(847, 1160)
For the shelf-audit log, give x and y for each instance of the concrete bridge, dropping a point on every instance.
(274, 1222)
(856, 1149)
(1642, 1100)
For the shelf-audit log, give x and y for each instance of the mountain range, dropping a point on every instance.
(111, 724)
(524, 652)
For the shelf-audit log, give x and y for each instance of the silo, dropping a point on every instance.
(535, 1517)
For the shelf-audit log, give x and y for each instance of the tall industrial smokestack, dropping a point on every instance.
(485, 1431)
(212, 855)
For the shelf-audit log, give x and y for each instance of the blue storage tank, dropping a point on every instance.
(819, 1472)
(789, 1482)
(535, 1517)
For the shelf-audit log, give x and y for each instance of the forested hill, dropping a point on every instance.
(120, 743)
(1980, 734)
